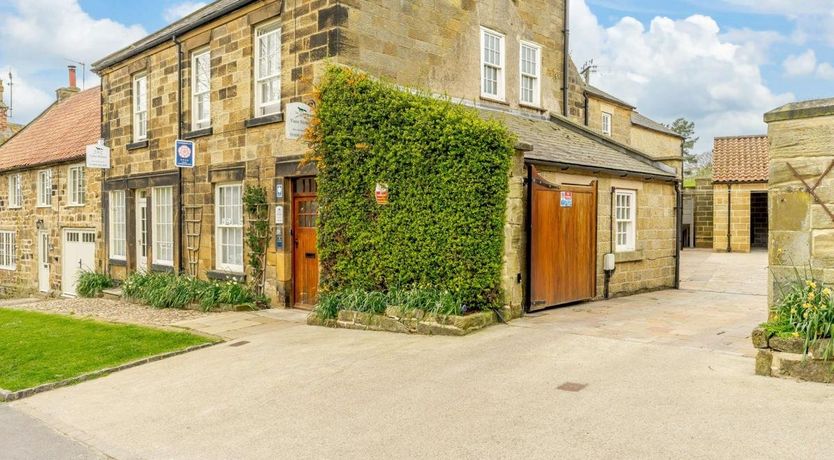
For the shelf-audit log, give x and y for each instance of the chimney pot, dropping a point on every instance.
(72, 79)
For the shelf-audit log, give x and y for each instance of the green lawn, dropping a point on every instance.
(37, 348)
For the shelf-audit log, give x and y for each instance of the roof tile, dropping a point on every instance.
(741, 159)
(61, 133)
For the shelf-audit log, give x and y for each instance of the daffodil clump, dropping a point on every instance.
(805, 309)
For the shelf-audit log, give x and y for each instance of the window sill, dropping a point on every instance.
(494, 100)
(137, 145)
(75, 205)
(44, 206)
(12, 208)
(629, 256)
(118, 262)
(162, 268)
(532, 107)
(11, 269)
(264, 120)
(198, 133)
(218, 275)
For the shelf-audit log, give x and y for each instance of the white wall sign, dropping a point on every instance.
(298, 119)
(279, 215)
(98, 155)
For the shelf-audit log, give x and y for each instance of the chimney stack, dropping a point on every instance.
(64, 93)
(72, 76)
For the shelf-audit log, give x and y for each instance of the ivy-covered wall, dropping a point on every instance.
(446, 170)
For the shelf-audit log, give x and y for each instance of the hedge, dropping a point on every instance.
(447, 173)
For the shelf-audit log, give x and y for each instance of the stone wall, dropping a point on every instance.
(703, 197)
(801, 231)
(54, 219)
(652, 265)
(436, 45)
(738, 197)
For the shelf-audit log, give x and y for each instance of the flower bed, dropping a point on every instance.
(796, 341)
(407, 321)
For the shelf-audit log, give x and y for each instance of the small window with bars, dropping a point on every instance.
(45, 188)
(8, 250)
(76, 185)
(15, 191)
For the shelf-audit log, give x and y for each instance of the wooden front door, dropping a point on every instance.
(305, 256)
(562, 243)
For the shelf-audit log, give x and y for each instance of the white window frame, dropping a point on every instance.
(8, 250)
(15, 191)
(163, 229)
(272, 106)
(45, 188)
(500, 93)
(625, 200)
(117, 229)
(140, 107)
(535, 76)
(197, 94)
(76, 185)
(222, 226)
(607, 123)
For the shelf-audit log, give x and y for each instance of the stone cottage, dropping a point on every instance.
(50, 214)
(740, 175)
(7, 129)
(237, 76)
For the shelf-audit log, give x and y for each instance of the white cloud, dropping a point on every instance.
(180, 10)
(797, 65)
(39, 38)
(825, 71)
(681, 68)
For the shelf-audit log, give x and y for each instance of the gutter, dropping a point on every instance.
(595, 170)
(179, 170)
(130, 52)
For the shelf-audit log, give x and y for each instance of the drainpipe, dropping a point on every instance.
(679, 235)
(179, 170)
(611, 229)
(565, 82)
(587, 108)
(528, 288)
(729, 215)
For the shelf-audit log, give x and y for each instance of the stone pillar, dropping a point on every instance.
(801, 232)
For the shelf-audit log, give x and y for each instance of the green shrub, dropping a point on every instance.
(805, 309)
(447, 171)
(167, 290)
(90, 283)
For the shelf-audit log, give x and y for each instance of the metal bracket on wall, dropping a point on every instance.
(813, 190)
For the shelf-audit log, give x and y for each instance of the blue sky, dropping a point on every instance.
(721, 63)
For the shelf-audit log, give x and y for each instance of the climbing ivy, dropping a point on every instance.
(257, 233)
(447, 173)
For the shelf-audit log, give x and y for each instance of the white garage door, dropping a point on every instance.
(79, 253)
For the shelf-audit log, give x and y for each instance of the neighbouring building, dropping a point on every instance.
(50, 203)
(698, 213)
(740, 196)
(7, 129)
(230, 76)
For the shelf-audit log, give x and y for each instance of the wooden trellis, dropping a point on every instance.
(813, 190)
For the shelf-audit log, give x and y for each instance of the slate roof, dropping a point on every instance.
(166, 34)
(607, 96)
(639, 119)
(60, 133)
(741, 159)
(561, 142)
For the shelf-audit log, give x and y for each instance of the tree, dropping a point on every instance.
(686, 129)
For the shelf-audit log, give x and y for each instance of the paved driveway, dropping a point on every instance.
(306, 392)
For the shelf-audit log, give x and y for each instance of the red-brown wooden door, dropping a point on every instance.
(305, 256)
(562, 243)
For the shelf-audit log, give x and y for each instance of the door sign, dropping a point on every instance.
(567, 200)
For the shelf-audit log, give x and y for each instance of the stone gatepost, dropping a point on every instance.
(801, 191)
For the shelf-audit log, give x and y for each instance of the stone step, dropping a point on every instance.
(112, 293)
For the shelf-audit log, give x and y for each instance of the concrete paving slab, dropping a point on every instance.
(26, 438)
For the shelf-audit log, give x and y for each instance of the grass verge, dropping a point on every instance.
(38, 348)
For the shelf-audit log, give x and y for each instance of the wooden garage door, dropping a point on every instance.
(562, 243)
